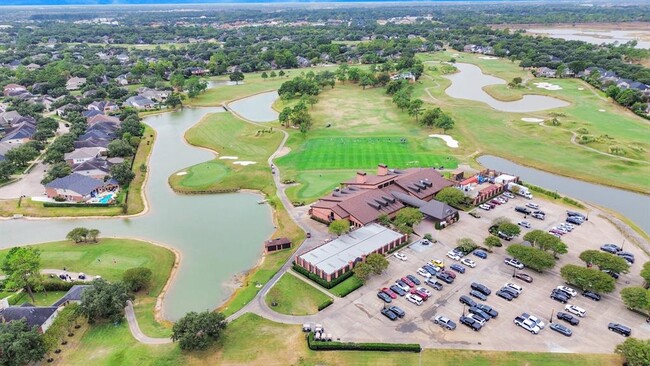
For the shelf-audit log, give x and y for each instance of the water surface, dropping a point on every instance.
(597, 36)
(257, 107)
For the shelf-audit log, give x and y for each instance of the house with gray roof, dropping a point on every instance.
(83, 154)
(75, 83)
(76, 187)
(139, 102)
(72, 296)
(40, 317)
(97, 168)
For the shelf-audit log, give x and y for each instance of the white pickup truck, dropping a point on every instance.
(527, 324)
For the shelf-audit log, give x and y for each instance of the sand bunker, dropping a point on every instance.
(488, 58)
(455, 55)
(229, 157)
(245, 162)
(581, 88)
(534, 120)
(181, 173)
(601, 110)
(548, 86)
(451, 142)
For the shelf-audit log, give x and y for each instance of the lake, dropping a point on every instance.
(634, 206)
(257, 108)
(469, 81)
(218, 235)
(597, 36)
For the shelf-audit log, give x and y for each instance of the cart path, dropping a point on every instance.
(135, 328)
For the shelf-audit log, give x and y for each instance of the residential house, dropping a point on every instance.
(39, 317)
(97, 168)
(122, 58)
(103, 106)
(4, 147)
(7, 118)
(73, 296)
(91, 113)
(75, 83)
(546, 72)
(76, 187)
(61, 111)
(198, 71)
(101, 118)
(83, 154)
(91, 142)
(21, 131)
(154, 94)
(139, 102)
(11, 89)
(273, 245)
(33, 67)
(122, 80)
(302, 61)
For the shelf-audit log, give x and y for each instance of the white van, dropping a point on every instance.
(417, 300)
(515, 287)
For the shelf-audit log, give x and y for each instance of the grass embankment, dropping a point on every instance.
(483, 130)
(294, 296)
(251, 340)
(135, 203)
(110, 258)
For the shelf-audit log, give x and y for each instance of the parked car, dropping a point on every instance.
(514, 287)
(408, 281)
(480, 288)
(559, 296)
(485, 207)
(502, 200)
(398, 290)
(527, 324)
(479, 295)
(445, 277)
(425, 291)
(573, 309)
(571, 292)
(390, 293)
(611, 273)
(522, 210)
(482, 314)
(532, 205)
(495, 202)
(478, 319)
(433, 283)
(415, 299)
(629, 257)
(511, 291)
(488, 310)
(438, 263)
(444, 322)
(414, 280)
(467, 300)
(504, 295)
(576, 215)
(420, 294)
(620, 329)
(509, 195)
(458, 268)
(389, 314)
(538, 215)
(401, 284)
(468, 262)
(423, 272)
(568, 318)
(561, 329)
(524, 277)
(453, 256)
(504, 236)
(525, 224)
(573, 220)
(382, 295)
(481, 254)
(591, 295)
(398, 311)
(471, 323)
(513, 262)
(534, 319)
(399, 256)
(431, 269)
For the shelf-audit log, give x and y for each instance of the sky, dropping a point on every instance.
(126, 2)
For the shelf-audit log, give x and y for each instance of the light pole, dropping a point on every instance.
(552, 312)
(514, 272)
(622, 245)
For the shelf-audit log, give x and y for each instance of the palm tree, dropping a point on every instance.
(93, 234)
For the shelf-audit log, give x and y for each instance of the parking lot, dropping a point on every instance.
(357, 317)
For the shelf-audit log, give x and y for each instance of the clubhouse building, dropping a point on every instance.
(368, 197)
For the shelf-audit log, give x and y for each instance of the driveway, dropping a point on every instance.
(29, 185)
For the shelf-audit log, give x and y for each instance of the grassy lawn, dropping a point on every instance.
(294, 296)
(346, 286)
(483, 130)
(316, 183)
(135, 203)
(110, 258)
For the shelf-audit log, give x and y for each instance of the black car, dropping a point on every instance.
(610, 248)
(467, 301)
(522, 210)
(574, 221)
(504, 294)
(382, 295)
(414, 280)
(620, 329)
(389, 314)
(398, 311)
(433, 283)
(481, 288)
(488, 310)
(563, 292)
(561, 329)
(479, 295)
(458, 268)
(629, 257)
(511, 291)
(471, 323)
(612, 273)
(576, 214)
(524, 277)
(591, 295)
(398, 290)
(568, 318)
(559, 296)
(476, 311)
(444, 277)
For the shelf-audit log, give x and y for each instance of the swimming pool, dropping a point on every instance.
(106, 198)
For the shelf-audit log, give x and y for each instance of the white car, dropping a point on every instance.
(567, 225)
(478, 319)
(399, 256)
(415, 299)
(453, 256)
(532, 205)
(535, 320)
(423, 272)
(514, 287)
(568, 290)
(576, 310)
(403, 287)
(508, 194)
(424, 290)
(484, 206)
(501, 200)
(525, 224)
(468, 262)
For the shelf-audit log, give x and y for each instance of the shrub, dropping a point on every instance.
(350, 346)
(346, 287)
(137, 278)
(325, 304)
(321, 281)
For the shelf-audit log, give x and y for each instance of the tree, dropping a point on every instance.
(281, 73)
(492, 241)
(196, 331)
(264, 75)
(57, 170)
(338, 227)
(93, 235)
(104, 301)
(22, 267)
(20, 345)
(195, 86)
(285, 116)
(636, 298)
(177, 81)
(533, 258)
(588, 278)
(645, 272)
(501, 220)
(407, 218)
(78, 234)
(415, 108)
(377, 262)
(132, 125)
(545, 241)
(137, 278)
(122, 173)
(273, 75)
(362, 271)
(431, 116)
(509, 229)
(120, 148)
(445, 123)
(451, 196)
(238, 76)
(516, 82)
(605, 261)
(635, 351)
(466, 245)
(174, 100)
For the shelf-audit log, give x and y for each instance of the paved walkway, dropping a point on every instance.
(28, 185)
(135, 328)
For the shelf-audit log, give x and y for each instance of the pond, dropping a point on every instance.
(257, 108)
(469, 81)
(597, 36)
(219, 236)
(634, 206)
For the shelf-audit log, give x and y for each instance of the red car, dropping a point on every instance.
(420, 293)
(389, 292)
(450, 273)
(408, 282)
(495, 202)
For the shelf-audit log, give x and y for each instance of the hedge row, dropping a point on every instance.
(325, 304)
(349, 346)
(345, 288)
(319, 280)
(551, 194)
(573, 202)
(70, 204)
(55, 284)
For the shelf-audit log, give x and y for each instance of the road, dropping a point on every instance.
(135, 328)
(29, 185)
